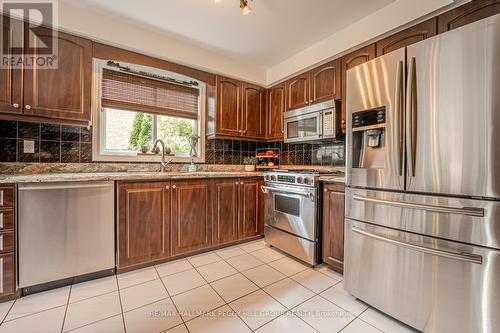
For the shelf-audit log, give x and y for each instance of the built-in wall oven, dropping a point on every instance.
(311, 123)
(291, 208)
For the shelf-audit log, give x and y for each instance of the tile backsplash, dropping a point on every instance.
(52, 143)
(73, 144)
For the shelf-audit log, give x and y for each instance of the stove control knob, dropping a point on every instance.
(308, 181)
(267, 178)
(300, 180)
(274, 178)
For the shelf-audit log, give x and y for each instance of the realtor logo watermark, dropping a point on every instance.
(28, 40)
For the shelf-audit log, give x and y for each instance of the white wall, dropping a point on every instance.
(112, 30)
(384, 20)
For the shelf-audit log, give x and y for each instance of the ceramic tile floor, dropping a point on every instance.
(244, 288)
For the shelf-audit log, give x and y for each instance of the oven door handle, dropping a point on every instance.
(266, 189)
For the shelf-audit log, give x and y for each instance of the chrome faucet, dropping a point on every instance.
(162, 163)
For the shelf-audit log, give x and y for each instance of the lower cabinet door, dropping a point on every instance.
(143, 222)
(225, 211)
(7, 275)
(333, 226)
(190, 216)
(251, 218)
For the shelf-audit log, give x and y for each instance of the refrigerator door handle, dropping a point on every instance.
(467, 257)
(472, 211)
(411, 118)
(399, 102)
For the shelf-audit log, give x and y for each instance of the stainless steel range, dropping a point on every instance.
(291, 213)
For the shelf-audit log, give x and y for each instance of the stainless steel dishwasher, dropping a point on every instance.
(65, 230)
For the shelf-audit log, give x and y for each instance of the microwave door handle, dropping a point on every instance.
(320, 124)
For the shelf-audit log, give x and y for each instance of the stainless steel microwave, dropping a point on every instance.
(311, 123)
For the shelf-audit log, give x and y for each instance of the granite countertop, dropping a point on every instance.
(332, 179)
(100, 176)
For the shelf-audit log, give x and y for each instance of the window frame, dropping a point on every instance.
(98, 119)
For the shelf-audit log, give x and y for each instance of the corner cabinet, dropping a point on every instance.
(333, 226)
(57, 95)
(275, 110)
(8, 286)
(240, 110)
(470, 12)
(159, 221)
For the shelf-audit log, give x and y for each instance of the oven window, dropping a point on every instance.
(287, 205)
(302, 128)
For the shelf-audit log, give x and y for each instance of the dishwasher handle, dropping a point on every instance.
(63, 187)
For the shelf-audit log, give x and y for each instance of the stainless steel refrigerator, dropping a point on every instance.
(422, 236)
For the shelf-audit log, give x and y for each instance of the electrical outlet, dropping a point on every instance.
(29, 146)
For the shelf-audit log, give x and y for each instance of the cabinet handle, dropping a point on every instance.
(307, 102)
(282, 131)
(167, 187)
(174, 187)
(244, 131)
(15, 105)
(28, 107)
(236, 183)
(310, 101)
(325, 190)
(241, 183)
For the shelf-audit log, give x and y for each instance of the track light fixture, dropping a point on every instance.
(245, 8)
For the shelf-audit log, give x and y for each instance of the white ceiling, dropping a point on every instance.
(274, 31)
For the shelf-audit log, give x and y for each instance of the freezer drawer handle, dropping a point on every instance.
(479, 212)
(468, 257)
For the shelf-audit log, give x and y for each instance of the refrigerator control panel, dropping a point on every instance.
(367, 119)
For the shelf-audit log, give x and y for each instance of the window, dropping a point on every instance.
(131, 111)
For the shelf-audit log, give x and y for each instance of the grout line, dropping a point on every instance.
(7, 313)
(66, 309)
(171, 300)
(121, 305)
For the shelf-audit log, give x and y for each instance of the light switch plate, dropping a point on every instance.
(29, 147)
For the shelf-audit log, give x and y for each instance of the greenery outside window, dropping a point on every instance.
(130, 112)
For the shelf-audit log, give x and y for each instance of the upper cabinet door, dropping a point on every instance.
(275, 109)
(254, 111)
(349, 61)
(467, 13)
(11, 79)
(63, 92)
(297, 92)
(325, 82)
(228, 106)
(407, 37)
(191, 216)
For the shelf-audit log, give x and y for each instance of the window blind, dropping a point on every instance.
(134, 93)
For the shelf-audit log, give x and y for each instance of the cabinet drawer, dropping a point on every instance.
(6, 220)
(6, 196)
(7, 274)
(7, 242)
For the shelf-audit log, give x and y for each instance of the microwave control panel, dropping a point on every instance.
(328, 126)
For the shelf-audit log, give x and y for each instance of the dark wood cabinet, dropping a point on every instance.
(275, 109)
(297, 92)
(241, 110)
(250, 214)
(349, 61)
(8, 289)
(470, 12)
(143, 222)
(333, 226)
(407, 37)
(191, 216)
(11, 99)
(225, 211)
(228, 106)
(253, 111)
(62, 93)
(325, 82)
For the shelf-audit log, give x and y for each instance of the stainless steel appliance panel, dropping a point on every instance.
(428, 283)
(292, 209)
(300, 248)
(453, 112)
(65, 230)
(378, 83)
(457, 219)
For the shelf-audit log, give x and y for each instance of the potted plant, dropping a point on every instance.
(249, 163)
